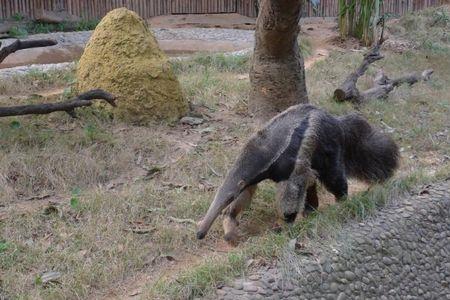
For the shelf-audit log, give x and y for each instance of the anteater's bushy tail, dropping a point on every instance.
(370, 155)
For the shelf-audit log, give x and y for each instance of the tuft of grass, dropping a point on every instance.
(305, 46)
(36, 81)
(36, 27)
(218, 62)
(18, 32)
(428, 28)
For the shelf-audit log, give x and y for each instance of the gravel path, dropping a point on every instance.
(203, 34)
(403, 253)
(80, 39)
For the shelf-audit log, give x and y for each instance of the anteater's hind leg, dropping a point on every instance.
(312, 200)
(230, 221)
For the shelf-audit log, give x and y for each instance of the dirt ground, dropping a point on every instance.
(232, 21)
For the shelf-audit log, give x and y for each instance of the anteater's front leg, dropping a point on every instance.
(230, 221)
(312, 200)
(334, 178)
(291, 193)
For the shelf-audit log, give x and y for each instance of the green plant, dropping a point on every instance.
(359, 19)
(84, 25)
(440, 17)
(74, 200)
(18, 17)
(18, 32)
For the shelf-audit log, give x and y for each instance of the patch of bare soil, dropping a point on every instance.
(232, 21)
(321, 34)
(169, 267)
(183, 47)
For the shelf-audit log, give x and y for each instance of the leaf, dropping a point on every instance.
(15, 125)
(74, 202)
(4, 246)
(38, 280)
(76, 191)
(51, 209)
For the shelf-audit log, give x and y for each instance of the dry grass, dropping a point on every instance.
(118, 187)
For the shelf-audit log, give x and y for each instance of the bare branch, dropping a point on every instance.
(20, 45)
(348, 91)
(384, 85)
(84, 99)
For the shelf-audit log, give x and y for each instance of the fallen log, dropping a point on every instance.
(69, 106)
(54, 16)
(384, 85)
(348, 90)
(20, 45)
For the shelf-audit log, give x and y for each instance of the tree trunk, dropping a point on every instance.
(277, 74)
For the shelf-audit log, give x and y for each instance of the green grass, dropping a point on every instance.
(35, 81)
(428, 29)
(26, 28)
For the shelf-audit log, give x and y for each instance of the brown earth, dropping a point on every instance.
(232, 21)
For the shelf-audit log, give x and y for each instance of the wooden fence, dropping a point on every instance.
(96, 9)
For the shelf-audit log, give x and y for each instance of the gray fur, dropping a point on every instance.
(296, 146)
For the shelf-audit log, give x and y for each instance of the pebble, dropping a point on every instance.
(349, 275)
(387, 261)
(191, 121)
(248, 287)
(254, 277)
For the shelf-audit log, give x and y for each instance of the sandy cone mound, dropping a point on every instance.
(123, 58)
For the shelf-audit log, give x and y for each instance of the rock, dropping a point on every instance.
(342, 296)
(238, 285)
(54, 16)
(387, 261)
(334, 287)
(349, 275)
(123, 58)
(191, 121)
(248, 287)
(253, 277)
(50, 277)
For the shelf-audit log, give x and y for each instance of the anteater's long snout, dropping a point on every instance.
(229, 190)
(220, 202)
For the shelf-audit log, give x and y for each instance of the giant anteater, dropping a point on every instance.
(296, 147)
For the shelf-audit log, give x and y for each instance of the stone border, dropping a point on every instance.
(402, 253)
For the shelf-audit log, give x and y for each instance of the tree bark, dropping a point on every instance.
(20, 45)
(277, 74)
(84, 99)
